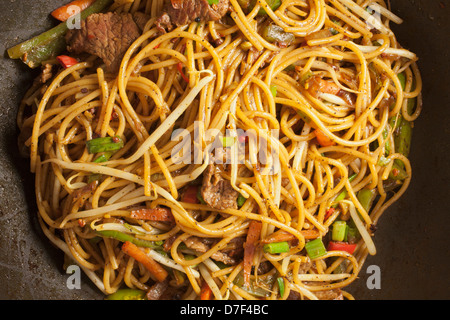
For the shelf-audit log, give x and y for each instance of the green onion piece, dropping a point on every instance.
(339, 231)
(315, 248)
(280, 282)
(104, 144)
(211, 2)
(121, 236)
(276, 247)
(127, 294)
(273, 89)
(240, 200)
(228, 141)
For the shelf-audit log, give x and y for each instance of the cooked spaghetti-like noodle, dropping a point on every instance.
(323, 145)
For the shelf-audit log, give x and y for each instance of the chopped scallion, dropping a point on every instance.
(276, 247)
(339, 231)
(315, 248)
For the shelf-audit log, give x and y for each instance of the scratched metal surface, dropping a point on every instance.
(411, 239)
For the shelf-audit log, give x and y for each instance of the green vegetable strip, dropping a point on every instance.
(240, 200)
(126, 237)
(103, 157)
(273, 4)
(280, 282)
(315, 248)
(127, 294)
(339, 231)
(228, 141)
(104, 144)
(49, 44)
(365, 197)
(276, 247)
(341, 196)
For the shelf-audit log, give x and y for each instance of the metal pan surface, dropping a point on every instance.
(413, 252)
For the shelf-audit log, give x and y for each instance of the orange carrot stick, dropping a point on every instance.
(205, 292)
(64, 12)
(154, 214)
(281, 236)
(253, 235)
(151, 265)
(322, 139)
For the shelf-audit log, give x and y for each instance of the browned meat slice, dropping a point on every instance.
(202, 245)
(334, 294)
(106, 35)
(216, 191)
(181, 12)
(157, 290)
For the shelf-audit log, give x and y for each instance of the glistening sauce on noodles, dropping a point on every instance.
(245, 153)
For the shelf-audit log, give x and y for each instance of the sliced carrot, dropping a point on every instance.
(323, 139)
(316, 85)
(151, 265)
(282, 235)
(205, 292)
(63, 13)
(153, 214)
(253, 235)
(310, 234)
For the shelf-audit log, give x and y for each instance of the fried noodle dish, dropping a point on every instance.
(218, 149)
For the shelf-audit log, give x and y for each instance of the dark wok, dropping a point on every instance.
(413, 252)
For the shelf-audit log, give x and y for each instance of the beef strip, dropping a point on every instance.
(202, 245)
(182, 12)
(216, 191)
(106, 35)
